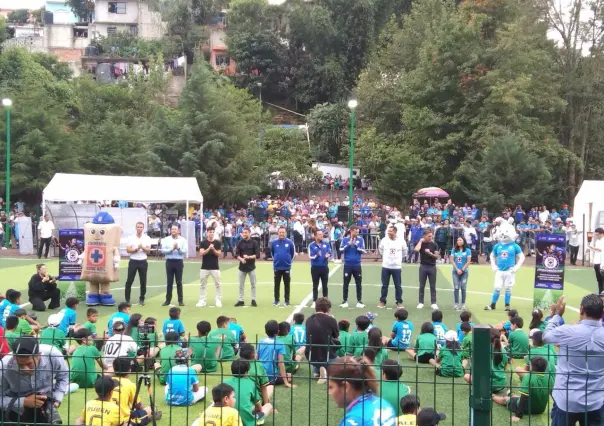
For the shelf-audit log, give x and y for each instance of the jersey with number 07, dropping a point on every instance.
(118, 345)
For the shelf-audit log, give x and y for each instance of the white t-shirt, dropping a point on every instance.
(134, 241)
(468, 231)
(392, 252)
(599, 255)
(228, 231)
(46, 229)
(118, 345)
(543, 216)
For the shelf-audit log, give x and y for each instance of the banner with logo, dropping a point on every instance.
(549, 269)
(71, 246)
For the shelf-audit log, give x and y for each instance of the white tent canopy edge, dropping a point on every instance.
(589, 204)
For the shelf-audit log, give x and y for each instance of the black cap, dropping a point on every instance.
(26, 346)
(118, 326)
(104, 385)
(429, 417)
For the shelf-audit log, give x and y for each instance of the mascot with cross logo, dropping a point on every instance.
(101, 258)
(506, 259)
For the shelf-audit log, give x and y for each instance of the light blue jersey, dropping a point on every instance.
(403, 331)
(117, 317)
(299, 333)
(237, 331)
(173, 325)
(268, 354)
(68, 319)
(439, 331)
(505, 255)
(369, 410)
(179, 384)
(6, 309)
(460, 257)
(460, 334)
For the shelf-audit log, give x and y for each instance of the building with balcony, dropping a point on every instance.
(133, 16)
(215, 48)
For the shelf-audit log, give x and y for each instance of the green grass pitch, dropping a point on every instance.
(309, 404)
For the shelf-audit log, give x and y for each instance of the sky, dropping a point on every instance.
(21, 4)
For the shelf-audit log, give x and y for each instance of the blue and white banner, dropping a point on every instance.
(71, 246)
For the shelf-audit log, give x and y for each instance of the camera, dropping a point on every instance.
(146, 328)
(50, 413)
(145, 342)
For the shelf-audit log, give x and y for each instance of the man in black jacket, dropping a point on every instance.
(43, 287)
(247, 251)
(322, 335)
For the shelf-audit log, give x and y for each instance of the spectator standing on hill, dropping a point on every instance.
(579, 388)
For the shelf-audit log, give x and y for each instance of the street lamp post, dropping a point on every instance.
(352, 104)
(7, 103)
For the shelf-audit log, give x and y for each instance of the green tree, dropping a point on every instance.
(498, 176)
(18, 16)
(4, 34)
(329, 126)
(82, 9)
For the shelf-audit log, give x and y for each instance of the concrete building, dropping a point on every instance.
(132, 16)
(216, 48)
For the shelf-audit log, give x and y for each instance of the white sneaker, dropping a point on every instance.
(344, 305)
(218, 304)
(360, 305)
(313, 305)
(201, 304)
(434, 306)
(420, 305)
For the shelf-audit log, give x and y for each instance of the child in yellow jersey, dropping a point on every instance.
(124, 392)
(222, 412)
(101, 411)
(409, 407)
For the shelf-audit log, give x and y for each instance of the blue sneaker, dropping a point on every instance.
(276, 303)
(107, 300)
(93, 299)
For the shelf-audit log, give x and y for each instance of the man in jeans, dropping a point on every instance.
(247, 251)
(428, 253)
(579, 388)
(209, 250)
(392, 249)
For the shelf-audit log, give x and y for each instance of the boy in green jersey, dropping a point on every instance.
(344, 338)
(448, 360)
(425, 345)
(10, 331)
(206, 350)
(257, 372)
(535, 389)
(83, 369)
(23, 326)
(391, 388)
(226, 337)
(167, 357)
(466, 343)
(248, 401)
(518, 340)
(287, 340)
(53, 335)
(358, 339)
(539, 348)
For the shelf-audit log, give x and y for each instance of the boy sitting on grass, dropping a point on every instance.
(518, 340)
(10, 330)
(287, 340)
(535, 389)
(272, 356)
(257, 373)
(83, 369)
(182, 385)
(391, 388)
(225, 335)
(101, 411)
(125, 392)
(206, 349)
(53, 335)
(409, 407)
(344, 338)
(358, 339)
(248, 400)
(24, 328)
(466, 344)
(167, 357)
(222, 411)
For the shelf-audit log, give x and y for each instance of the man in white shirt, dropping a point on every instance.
(138, 247)
(393, 249)
(598, 249)
(45, 229)
(572, 236)
(544, 215)
(118, 345)
(227, 240)
(468, 232)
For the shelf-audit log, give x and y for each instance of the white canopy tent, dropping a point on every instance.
(588, 209)
(65, 188)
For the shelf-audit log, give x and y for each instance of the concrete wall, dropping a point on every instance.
(101, 11)
(31, 44)
(62, 36)
(62, 13)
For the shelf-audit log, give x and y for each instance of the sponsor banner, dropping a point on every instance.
(71, 246)
(549, 269)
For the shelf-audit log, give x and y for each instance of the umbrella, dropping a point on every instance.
(431, 192)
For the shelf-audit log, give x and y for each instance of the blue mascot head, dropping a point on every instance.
(103, 218)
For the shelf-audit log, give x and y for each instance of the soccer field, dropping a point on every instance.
(309, 403)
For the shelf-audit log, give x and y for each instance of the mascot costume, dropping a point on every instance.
(101, 258)
(506, 259)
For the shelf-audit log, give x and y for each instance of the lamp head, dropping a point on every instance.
(352, 104)
(259, 84)
(6, 102)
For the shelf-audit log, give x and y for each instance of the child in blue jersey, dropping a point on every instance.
(401, 331)
(439, 328)
(271, 354)
(506, 326)
(13, 300)
(182, 384)
(3, 304)
(68, 316)
(465, 316)
(174, 323)
(299, 332)
(122, 315)
(238, 333)
(353, 386)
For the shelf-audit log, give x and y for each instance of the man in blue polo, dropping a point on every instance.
(579, 388)
(352, 247)
(282, 252)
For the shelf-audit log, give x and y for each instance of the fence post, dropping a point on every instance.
(480, 394)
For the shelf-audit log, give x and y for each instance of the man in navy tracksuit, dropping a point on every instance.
(353, 247)
(282, 252)
(416, 232)
(319, 252)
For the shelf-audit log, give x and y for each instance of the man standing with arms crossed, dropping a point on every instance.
(352, 247)
(319, 252)
(45, 229)
(282, 252)
(174, 248)
(392, 248)
(247, 251)
(138, 247)
(209, 250)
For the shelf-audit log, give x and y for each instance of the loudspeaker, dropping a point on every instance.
(343, 213)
